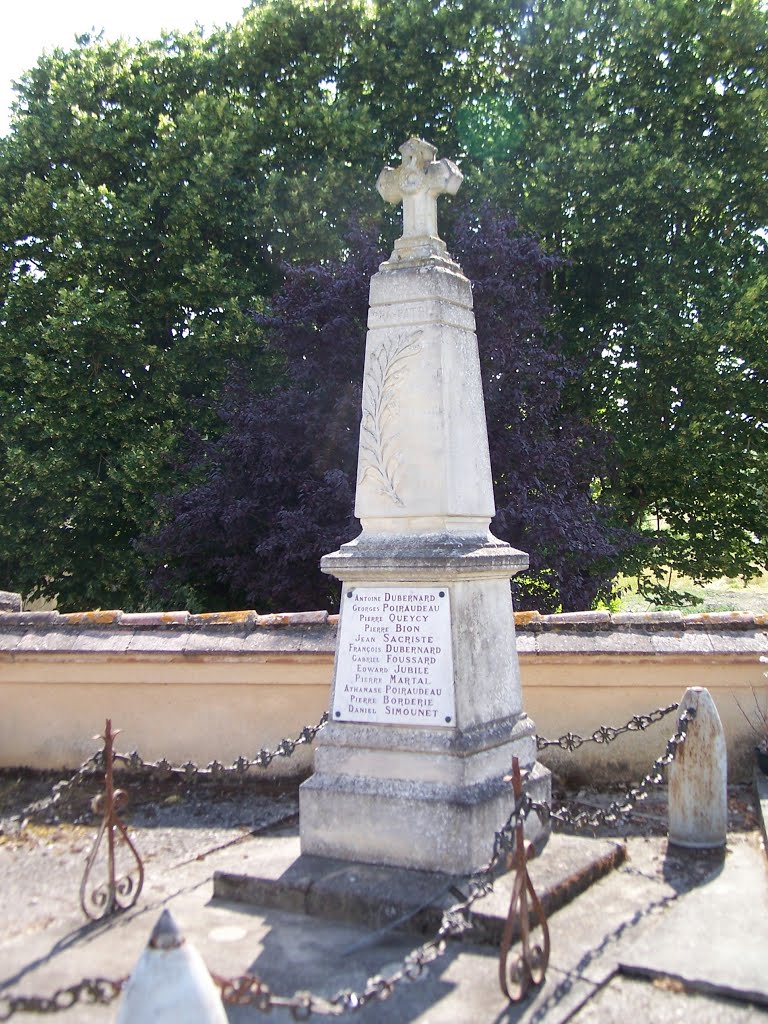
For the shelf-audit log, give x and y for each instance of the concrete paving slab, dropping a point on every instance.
(277, 875)
(627, 999)
(589, 934)
(289, 951)
(716, 936)
(289, 954)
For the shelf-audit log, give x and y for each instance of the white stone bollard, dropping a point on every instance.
(698, 793)
(170, 983)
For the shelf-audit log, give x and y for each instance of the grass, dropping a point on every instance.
(723, 595)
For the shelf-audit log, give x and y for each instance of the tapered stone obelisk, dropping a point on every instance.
(427, 708)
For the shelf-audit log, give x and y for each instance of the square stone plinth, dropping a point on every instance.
(420, 825)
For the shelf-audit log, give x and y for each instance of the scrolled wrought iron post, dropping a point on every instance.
(528, 969)
(116, 893)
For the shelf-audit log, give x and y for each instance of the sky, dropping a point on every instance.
(31, 26)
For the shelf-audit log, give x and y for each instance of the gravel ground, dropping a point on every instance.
(44, 846)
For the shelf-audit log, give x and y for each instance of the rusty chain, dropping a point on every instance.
(286, 747)
(606, 733)
(100, 991)
(133, 762)
(250, 990)
(619, 809)
(217, 770)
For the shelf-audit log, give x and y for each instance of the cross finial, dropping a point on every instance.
(417, 183)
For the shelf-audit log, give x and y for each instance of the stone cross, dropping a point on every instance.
(417, 183)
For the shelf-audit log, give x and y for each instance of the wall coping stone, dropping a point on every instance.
(31, 633)
(12, 617)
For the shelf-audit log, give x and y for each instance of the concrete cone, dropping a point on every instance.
(170, 984)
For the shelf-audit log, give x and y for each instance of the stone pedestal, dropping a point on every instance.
(427, 707)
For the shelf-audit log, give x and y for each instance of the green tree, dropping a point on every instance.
(149, 193)
(125, 272)
(643, 146)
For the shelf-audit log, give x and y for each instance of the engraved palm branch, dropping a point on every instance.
(379, 429)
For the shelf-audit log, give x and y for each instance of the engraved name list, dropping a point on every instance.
(395, 662)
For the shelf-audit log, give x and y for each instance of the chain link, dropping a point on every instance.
(133, 762)
(101, 991)
(215, 769)
(249, 990)
(621, 809)
(606, 733)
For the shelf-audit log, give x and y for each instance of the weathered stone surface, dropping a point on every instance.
(378, 896)
(25, 619)
(140, 619)
(443, 757)
(385, 557)
(714, 939)
(416, 184)
(96, 618)
(9, 602)
(11, 640)
(214, 642)
(649, 620)
(586, 621)
(427, 826)
(735, 620)
(402, 794)
(680, 643)
(422, 398)
(698, 778)
(103, 641)
(167, 643)
(234, 619)
(749, 641)
(526, 643)
(51, 640)
(627, 634)
(292, 619)
(555, 642)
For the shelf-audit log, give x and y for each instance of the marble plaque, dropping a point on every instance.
(394, 663)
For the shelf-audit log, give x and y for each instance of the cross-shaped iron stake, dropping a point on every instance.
(529, 968)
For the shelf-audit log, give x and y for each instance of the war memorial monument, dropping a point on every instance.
(427, 709)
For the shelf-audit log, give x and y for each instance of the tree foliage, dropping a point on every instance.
(126, 266)
(150, 193)
(278, 486)
(642, 153)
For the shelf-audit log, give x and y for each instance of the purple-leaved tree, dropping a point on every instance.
(275, 491)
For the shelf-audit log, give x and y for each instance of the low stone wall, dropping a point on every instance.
(204, 687)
